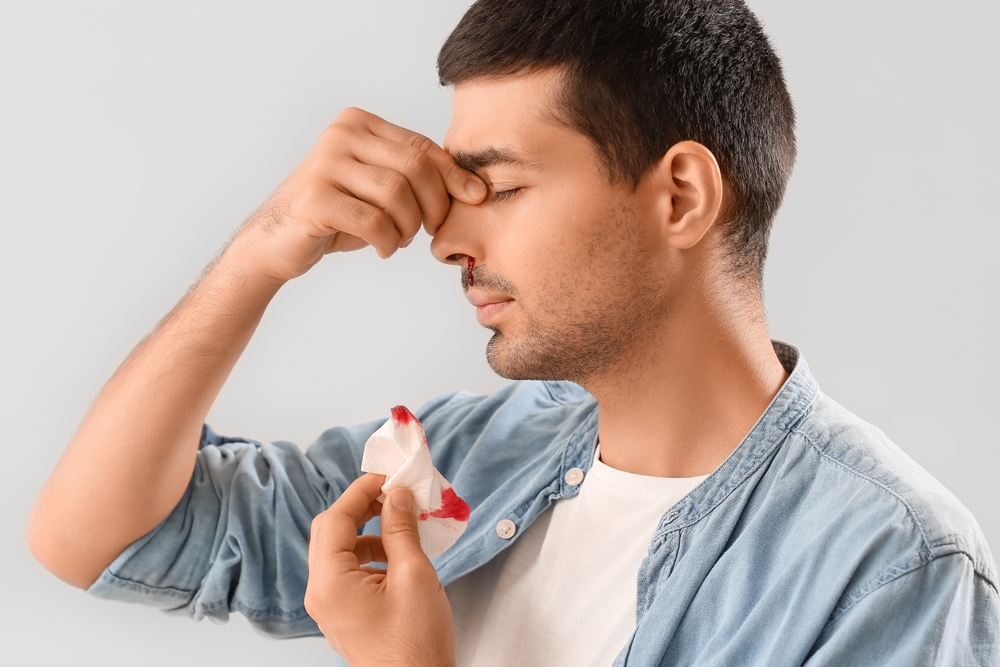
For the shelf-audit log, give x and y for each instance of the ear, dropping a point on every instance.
(684, 193)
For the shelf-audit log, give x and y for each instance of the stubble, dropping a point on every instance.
(590, 318)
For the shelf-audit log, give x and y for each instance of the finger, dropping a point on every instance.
(369, 549)
(344, 242)
(460, 183)
(426, 182)
(384, 188)
(336, 529)
(400, 537)
(341, 212)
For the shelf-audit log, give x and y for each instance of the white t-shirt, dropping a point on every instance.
(564, 593)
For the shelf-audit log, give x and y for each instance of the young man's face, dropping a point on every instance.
(565, 272)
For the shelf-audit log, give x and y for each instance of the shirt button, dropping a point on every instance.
(574, 476)
(506, 529)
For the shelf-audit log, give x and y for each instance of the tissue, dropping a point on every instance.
(399, 451)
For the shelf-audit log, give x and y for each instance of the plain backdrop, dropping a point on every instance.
(135, 137)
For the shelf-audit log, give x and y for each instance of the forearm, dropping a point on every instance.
(133, 455)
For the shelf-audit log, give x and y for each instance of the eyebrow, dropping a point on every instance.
(490, 157)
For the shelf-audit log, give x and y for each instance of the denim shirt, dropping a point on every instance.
(817, 542)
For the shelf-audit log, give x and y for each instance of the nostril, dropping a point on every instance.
(457, 258)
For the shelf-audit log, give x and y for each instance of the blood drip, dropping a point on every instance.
(452, 507)
(403, 416)
(472, 265)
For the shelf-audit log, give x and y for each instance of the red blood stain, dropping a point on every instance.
(404, 416)
(452, 507)
(472, 265)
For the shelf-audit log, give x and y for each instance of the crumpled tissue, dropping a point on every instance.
(399, 451)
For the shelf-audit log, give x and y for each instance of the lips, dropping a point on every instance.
(477, 298)
(488, 306)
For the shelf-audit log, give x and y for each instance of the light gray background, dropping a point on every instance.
(135, 138)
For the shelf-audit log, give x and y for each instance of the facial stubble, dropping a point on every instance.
(589, 323)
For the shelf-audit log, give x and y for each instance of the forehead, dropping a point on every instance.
(508, 120)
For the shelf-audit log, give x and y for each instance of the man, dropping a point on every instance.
(606, 188)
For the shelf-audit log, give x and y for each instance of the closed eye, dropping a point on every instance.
(505, 194)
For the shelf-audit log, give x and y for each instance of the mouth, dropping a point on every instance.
(488, 306)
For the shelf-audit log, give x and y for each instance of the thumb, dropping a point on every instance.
(461, 184)
(400, 537)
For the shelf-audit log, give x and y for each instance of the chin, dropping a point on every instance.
(528, 359)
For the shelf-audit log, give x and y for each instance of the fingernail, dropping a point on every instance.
(475, 189)
(402, 500)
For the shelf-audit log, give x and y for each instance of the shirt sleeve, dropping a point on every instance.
(238, 538)
(941, 613)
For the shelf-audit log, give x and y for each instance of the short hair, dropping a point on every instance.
(643, 75)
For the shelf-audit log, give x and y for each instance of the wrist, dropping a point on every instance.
(240, 265)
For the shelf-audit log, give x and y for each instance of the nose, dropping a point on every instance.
(459, 236)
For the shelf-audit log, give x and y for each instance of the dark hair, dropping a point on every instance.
(642, 75)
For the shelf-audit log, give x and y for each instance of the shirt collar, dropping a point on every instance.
(792, 401)
(550, 480)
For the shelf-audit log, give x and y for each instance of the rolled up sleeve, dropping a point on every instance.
(238, 538)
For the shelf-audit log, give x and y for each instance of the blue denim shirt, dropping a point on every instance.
(817, 542)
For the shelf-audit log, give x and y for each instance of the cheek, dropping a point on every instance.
(556, 244)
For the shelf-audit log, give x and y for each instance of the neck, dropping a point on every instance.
(685, 398)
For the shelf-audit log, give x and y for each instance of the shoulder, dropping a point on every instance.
(875, 486)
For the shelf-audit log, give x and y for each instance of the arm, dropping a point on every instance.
(366, 182)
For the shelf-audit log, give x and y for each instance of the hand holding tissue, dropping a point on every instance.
(399, 451)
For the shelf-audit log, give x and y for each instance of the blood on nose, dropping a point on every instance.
(472, 265)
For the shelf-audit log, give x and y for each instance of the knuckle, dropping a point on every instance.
(337, 133)
(420, 142)
(386, 179)
(397, 185)
(399, 528)
(454, 173)
(355, 211)
(418, 163)
(409, 569)
(351, 115)
(372, 219)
